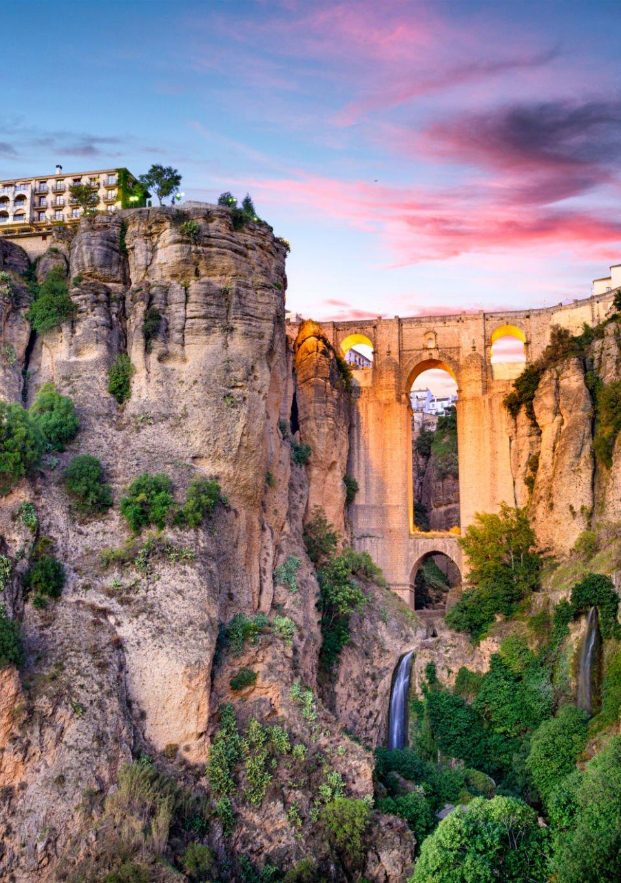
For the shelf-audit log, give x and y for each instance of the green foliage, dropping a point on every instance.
(491, 840)
(597, 590)
(7, 288)
(303, 696)
(345, 821)
(245, 677)
(129, 872)
(201, 500)
(421, 516)
(467, 683)
(320, 538)
(351, 489)
(164, 181)
(257, 776)
(6, 569)
(224, 812)
(444, 445)
(11, 650)
(122, 238)
(430, 585)
(55, 417)
(414, 808)
(85, 483)
(120, 378)
(27, 514)
(555, 747)
(21, 445)
(242, 628)
(150, 326)
(197, 862)
(45, 578)
(608, 421)
(611, 691)
(86, 198)
(148, 501)
(589, 852)
(191, 230)
(339, 597)
(52, 304)
(423, 442)
(240, 216)
(285, 628)
(586, 545)
(504, 569)
(224, 754)
(286, 573)
(227, 199)
(304, 871)
(300, 453)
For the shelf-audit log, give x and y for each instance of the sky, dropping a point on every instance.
(420, 157)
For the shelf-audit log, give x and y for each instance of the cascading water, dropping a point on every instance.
(588, 662)
(398, 714)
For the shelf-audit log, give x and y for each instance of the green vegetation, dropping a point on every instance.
(85, 483)
(86, 197)
(242, 628)
(150, 326)
(240, 216)
(261, 748)
(430, 585)
(351, 489)
(345, 821)
(44, 579)
(164, 181)
(300, 453)
(224, 753)
(27, 514)
(608, 422)
(304, 697)
(245, 677)
(120, 378)
(55, 417)
(285, 628)
(52, 304)
(596, 590)
(496, 839)
(444, 445)
(504, 569)
(202, 497)
(555, 746)
(197, 862)
(21, 445)
(148, 501)
(320, 538)
(191, 230)
(11, 651)
(6, 569)
(286, 573)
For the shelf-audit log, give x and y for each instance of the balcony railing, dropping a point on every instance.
(59, 187)
(22, 188)
(41, 188)
(59, 201)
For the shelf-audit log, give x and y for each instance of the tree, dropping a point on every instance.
(85, 482)
(86, 197)
(487, 841)
(555, 746)
(21, 445)
(55, 416)
(53, 304)
(164, 180)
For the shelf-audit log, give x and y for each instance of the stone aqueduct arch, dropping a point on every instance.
(381, 442)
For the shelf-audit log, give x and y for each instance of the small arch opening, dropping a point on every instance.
(433, 577)
(294, 419)
(357, 350)
(508, 352)
(435, 462)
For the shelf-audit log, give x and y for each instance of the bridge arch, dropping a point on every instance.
(434, 575)
(426, 363)
(507, 351)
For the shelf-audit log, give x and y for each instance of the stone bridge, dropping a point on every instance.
(381, 445)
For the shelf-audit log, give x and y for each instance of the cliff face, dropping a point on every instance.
(556, 473)
(128, 661)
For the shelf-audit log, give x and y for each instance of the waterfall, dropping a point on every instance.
(398, 714)
(588, 662)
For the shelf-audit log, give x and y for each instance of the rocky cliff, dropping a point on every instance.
(106, 730)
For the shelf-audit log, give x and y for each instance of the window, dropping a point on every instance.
(111, 194)
(58, 216)
(110, 208)
(41, 187)
(75, 213)
(42, 202)
(59, 201)
(40, 216)
(110, 180)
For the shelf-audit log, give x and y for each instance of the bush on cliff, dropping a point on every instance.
(555, 747)
(11, 652)
(504, 568)
(45, 578)
(55, 416)
(201, 500)
(597, 590)
(608, 421)
(120, 378)
(21, 445)
(345, 821)
(148, 501)
(85, 483)
(52, 304)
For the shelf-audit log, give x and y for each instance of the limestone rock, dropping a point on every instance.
(50, 260)
(13, 257)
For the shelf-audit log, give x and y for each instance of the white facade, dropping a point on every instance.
(608, 283)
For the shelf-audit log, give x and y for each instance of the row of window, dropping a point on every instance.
(42, 186)
(41, 216)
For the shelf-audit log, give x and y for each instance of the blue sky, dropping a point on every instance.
(420, 157)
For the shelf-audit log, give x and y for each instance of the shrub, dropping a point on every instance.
(285, 573)
(6, 568)
(320, 538)
(555, 746)
(84, 482)
(414, 808)
(245, 677)
(52, 305)
(304, 871)
(224, 754)
(586, 545)
(304, 697)
(496, 839)
(21, 445)
(284, 628)
(55, 416)
(597, 590)
(224, 812)
(201, 499)
(608, 420)
(45, 578)
(339, 597)
(423, 442)
(120, 378)
(345, 821)
(227, 199)
(197, 861)
(150, 326)
(11, 651)
(351, 489)
(27, 513)
(242, 628)
(148, 501)
(300, 453)
(467, 683)
(191, 230)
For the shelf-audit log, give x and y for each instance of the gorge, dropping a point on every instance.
(211, 662)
